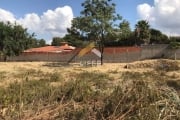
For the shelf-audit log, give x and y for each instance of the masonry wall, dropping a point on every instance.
(172, 54)
(54, 57)
(114, 54)
(159, 51)
(153, 51)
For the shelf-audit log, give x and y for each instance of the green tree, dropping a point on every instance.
(175, 38)
(126, 35)
(122, 36)
(165, 39)
(57, 41)
(73, 36)
(41, 43)
(157, 37)
(125, 30)
(142, 32)
(13, 39)
(96, 21)
(34, 42)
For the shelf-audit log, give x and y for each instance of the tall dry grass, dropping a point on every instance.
(91, 93)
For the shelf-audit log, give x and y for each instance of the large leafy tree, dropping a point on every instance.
(122, 36)
(13, 39)
(157, 37)
(125, 30)
(73, 36)
(143, 32)
(96, 21)
(126, 34)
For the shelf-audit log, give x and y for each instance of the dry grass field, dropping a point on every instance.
(145, 90)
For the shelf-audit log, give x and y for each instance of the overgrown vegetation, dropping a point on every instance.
(148, 95)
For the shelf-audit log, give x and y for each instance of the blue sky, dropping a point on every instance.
(45, 16)
(126, 8)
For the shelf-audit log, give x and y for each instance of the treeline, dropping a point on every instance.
(122, 36)
(99, 22)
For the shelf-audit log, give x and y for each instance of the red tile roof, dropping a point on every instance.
(55, 49)
(66, 48)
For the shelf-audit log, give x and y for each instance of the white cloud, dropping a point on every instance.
(163, 15)
(57, 21)
(147, 12)
(6, 16)
(51, 23)
(31, 21)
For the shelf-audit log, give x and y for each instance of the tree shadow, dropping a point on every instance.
(56, 64)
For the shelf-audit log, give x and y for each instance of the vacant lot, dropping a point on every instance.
(145, 90)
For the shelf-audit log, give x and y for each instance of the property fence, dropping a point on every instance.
(112, 54)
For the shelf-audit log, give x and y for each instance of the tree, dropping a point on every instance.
(122, 36)
(175, 38)
(41, 43)
(157, 37)
(57, 41)
(143, 32)
(74, 37)
(125, 35)
(96, 21)
(125, 30)
(13, 39)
